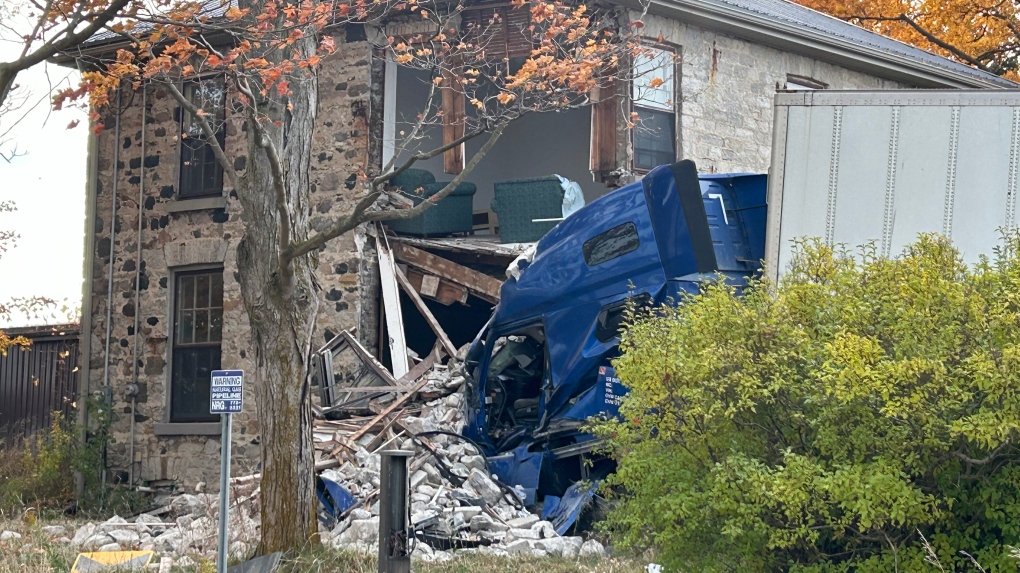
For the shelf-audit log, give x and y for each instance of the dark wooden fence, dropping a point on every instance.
(39, 380)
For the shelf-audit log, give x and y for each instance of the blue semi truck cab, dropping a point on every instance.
(541, 366)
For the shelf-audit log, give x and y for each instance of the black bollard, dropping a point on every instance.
(394, 538)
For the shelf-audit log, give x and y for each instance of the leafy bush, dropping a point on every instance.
(825, 423)
(41, 471)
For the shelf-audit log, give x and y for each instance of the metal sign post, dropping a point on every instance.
(226, 396)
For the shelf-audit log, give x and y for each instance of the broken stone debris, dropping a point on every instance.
(454, 501)
(183, 529)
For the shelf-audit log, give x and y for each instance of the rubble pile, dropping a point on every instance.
(182, 531)
(454, 502)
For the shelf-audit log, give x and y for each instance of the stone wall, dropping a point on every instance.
(727, 87)
(177, 237)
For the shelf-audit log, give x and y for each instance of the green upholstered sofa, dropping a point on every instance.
(451, 215)
(519, 202)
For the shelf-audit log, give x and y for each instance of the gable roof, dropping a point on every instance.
(781, 24)
(799, 29)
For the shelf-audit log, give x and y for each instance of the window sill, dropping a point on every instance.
(199, 204)
(188, 429)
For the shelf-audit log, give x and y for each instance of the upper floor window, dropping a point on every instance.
(653, 99)
(201, 174)
(500, 29)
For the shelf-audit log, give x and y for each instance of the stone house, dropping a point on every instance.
(161, 300)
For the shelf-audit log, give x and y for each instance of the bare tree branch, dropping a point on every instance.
(927, 35)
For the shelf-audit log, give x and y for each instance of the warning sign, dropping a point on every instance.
(226, 394)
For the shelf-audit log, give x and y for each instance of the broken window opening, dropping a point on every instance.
(342, 364)
(460, 321)
(534, 145)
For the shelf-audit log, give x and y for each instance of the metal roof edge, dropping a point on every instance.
(768, 31)
(68, 330)
(962, 98)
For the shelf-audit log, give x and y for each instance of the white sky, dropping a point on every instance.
(48, 186)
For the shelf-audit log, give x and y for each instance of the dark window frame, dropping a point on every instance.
(636, 107)
(588, 249)
(184, 351)
(195, 154)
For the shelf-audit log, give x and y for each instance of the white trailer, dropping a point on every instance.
(857, 166)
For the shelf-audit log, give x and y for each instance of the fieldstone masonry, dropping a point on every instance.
(181, 235)
(725, 116)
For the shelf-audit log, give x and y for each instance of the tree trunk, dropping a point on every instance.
(281, 317)
(281, 302)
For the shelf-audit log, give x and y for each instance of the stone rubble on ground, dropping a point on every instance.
(452, 497)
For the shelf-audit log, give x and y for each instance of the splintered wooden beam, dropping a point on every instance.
(391, 302)
(481, 285)
(389, 409)
(399, 385)
(426, 313)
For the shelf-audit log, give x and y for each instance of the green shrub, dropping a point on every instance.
(41, 471)
(38, 471)
(825, 423)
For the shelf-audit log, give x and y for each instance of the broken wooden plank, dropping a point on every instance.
(482, 245)
(482, 285)
(419, 369)
(447, 292)
(391, 302)
(427, 314)
(369, 389)
(370, 446)
(367, 357)
(396, 404)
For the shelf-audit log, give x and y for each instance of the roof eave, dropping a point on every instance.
(818, 45)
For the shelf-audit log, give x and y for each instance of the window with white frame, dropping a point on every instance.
(653, 101)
